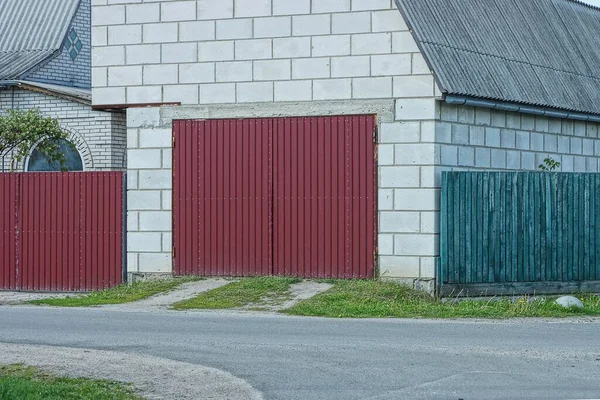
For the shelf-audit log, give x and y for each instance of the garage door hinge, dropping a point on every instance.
(174, 252)
(375, 136)
(173, 141)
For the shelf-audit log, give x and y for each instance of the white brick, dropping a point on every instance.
(385, 154)
(178, 11)
(483, 157)
(238, 71)
(105, 56)
(307, 68)
(215, 9)
(416, 245)
(416, 199)
(155, 138)
(133, 221)
(385, 199)
(358, 5)
(197, 31)
(430, 222)
(415, 109)
(167, 241)
(399, 222)
(125, 76)
(110, 15)
(160, 33)
(272, 70)
(138, 117)
(338, 45)
(108, 95)
(392, 64)
(345, 67)
(372, 43)
(215, 51)
(160, 74)
(143, 241)
(449, 155)
(293, 91)
(143, 13)
(399, 177)
(351, 23)
(155, 221)
(388, 21)
(420, 67)
(371, 88)
(156, 179)
(179, 53)
(400, 132)
(466, 156)
(326, 6)
(99, 36)
(256, 49)
(403, 42)
(197, 73)
(167, 200)
(132, 138)
(332, 89)
(144, 94)
(385, 245)
(137, 159)
(252, 8)
(99, 77)
(498, 159)
(167, 155)
(143, 200)
(399, 267)
(254, 92)
(417, 154)
(413, 86)
(143, 54)
(428, 267)
(308, 25)
(234, 29)
(290, 7)
(291, 47)
(217, 93)
(272, 27)
(155, 262)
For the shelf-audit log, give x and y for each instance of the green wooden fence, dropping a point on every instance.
(519, 233)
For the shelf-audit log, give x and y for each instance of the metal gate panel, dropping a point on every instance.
(9, 186)
(324, 197)
(222, 197)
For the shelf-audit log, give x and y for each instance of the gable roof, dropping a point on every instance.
(543, 53)
(31, 32)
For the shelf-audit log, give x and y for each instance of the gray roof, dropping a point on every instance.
(31, 32)
(537, 52)
(83, 96)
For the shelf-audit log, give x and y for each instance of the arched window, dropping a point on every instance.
(38, 162)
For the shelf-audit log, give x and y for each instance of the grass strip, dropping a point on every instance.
(18, 382)
(381, 299)
(118, 295)
(254, 292)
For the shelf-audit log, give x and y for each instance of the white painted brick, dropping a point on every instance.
(291, 47)
(400, 132)
(428, 267)
(99, 36)
(133, 221)
(142, 13)
(160, 74)
(179, 53)
(155, 179)
(167, 200)
(385, 154)
(416, 245)
(178, 11)
(290, 7)
(430, 222)
(307, 68)
(234, 29)
(416, 199)
(155, 221)
(125, 76)
(138, 117)
(466, 156)
(252, 8)
(237, 71)
(137, 159)
(308, 25)
(420, 67)
(483, 158)
(106, 56)
(197, 73)
(254, 92)
(351, 23)
(428, 133)
(197, 31)
(108, 95)
(358, 5)
(385, 245)
(155, 138)
(160, 33)
(372, 43)
(403, 42)
(371, 88)
(144, 94)
(399, 267)
(399, 222)
(272, 70)
(132, 262)
(327, 6)
(576, 145)
(272, 27)
(413, 86)
(388, 21)
(492, 137)
(143, 200)
(332, 89)
(417, 154)
(338, 45)
(498, 159)
(513, 160)
(143, 241)
(167, 241)
(449, 155)
(215, 9)
(399, 177)
(215, 51)
(293, 91)
(460, 134)
(167, 157)
(385, 199)
(256, 49)
(415, 109)
(143, 54)
(99, 77)
(352, 66)
(391, 64)
(155, 262)
(110, 15)
(217, 93)
(124, 34)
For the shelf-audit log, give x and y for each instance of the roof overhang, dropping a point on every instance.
(77, 95)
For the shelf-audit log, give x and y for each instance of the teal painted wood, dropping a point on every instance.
(519, 227)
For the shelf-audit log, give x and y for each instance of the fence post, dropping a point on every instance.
(124, 251)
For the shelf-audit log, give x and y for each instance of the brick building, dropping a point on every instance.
(454, 85)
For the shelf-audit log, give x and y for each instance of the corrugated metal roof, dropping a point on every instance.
(31, 31)
(537, 52)
(83, 96)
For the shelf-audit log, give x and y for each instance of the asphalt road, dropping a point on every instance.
(307, 358)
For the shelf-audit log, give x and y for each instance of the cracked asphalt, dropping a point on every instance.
(308, 358)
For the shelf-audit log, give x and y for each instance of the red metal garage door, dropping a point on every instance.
(279, 196)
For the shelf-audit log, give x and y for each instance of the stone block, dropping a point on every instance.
(144, 241)
(399, 222)
(417, 199)
(372, 88)
(293, 91)
(332, 89)
(399, 177)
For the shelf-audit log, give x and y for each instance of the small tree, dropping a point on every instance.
(20, 131)
(549, 165)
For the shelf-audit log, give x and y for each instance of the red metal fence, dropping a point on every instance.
(276, 196)
(61, 231)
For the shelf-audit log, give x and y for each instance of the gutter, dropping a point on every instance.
(533, 110)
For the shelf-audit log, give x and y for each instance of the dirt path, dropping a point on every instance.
(298, 292)
(152, 377)
(13, 298)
